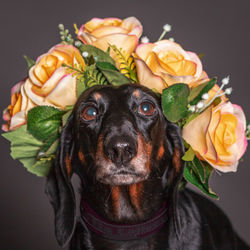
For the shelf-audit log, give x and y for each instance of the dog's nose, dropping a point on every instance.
(120, 151)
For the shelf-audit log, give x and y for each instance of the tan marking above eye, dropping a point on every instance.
(97, 96)
(136, 93)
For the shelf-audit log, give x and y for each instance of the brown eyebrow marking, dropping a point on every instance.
(97, 96)
(136, 93)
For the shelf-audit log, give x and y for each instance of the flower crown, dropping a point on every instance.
(108, 51)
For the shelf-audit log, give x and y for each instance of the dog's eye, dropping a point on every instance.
(146, 108)
(89, 113)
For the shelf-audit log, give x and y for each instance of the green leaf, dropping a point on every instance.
(115, 77)
(189, 155)
(93, 76)
(197, 92)
(175, 101)
(38, 167)
(49, 141)
(42, 121)
(106, 66)
(52, 149)
(112, 74)
(80, 86)
(98, 54)
(26, 148)
(65, 117)
(20, 137)
(191, 175)
(30, 62)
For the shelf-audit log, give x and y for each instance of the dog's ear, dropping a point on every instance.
(175, 172)
(59, 188)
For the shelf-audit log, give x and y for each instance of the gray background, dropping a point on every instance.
(219, 29)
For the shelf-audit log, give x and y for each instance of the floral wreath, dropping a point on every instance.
(108, 51)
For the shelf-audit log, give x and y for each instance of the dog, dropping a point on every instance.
(128, 158)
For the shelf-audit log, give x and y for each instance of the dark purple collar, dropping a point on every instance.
(116, 231)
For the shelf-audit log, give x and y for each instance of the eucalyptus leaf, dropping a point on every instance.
(98, 54)
(175, 101)
(197, 92)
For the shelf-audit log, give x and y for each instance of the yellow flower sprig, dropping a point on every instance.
(126, 63)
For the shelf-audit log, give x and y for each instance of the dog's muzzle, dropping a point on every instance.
(120, 150)
(121, 160)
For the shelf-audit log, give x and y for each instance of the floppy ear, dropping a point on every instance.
(175, 172)
(59, 188)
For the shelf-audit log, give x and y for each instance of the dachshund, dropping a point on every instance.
(128, 158)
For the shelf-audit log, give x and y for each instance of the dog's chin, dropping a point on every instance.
(120, 179)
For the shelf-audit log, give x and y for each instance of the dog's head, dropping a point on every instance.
(114, 136)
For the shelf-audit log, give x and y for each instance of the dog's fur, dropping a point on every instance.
(129, 163)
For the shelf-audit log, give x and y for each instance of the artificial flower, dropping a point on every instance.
(102, 33)
(169, 61)
(218, 136)
(49, 83)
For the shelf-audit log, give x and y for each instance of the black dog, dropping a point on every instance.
(128, 157)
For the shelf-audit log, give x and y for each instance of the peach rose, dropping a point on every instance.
(218, 136)
(15, 114)
(49, 83)
(169, 63)
(102, 32)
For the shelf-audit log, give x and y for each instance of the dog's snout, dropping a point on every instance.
(120, 151)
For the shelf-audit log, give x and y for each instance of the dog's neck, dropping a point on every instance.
(126, 204)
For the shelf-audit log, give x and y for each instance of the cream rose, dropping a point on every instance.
(218, 136)
(49, 83)
(103, 32)
(169, 63)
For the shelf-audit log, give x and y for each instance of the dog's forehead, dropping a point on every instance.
(114, 93)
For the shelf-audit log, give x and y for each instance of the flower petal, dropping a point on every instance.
(17, 120)
(126, 42)
(143, 50)
(64, 93)
(133, 25)
(147, 78)
(193, 57)
(38, 100)
(194, 132)
(108, 30)
(51, 83)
